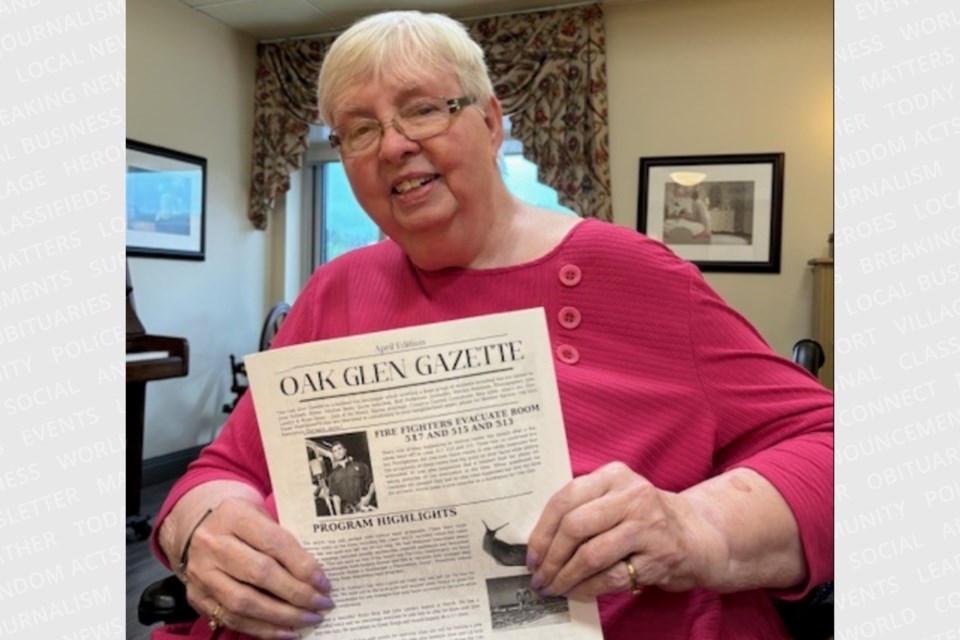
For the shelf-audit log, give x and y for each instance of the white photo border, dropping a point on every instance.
(765, 170)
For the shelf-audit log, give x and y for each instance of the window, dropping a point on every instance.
(337, 224)
(520, 175)
(334, 221)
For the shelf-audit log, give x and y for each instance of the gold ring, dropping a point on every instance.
(635, 587)
(214, 623)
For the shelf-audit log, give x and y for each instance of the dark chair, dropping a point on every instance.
(812, 617)
(808, 619)
(238, 371)
(809, 354)
(165, 601)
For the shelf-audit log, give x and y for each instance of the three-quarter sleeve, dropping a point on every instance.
(772, 416)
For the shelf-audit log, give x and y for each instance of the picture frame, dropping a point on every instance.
(721, 212)
(166, 203)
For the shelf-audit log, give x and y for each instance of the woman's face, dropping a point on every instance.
(434, 196)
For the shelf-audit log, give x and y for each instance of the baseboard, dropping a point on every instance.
(169, 466)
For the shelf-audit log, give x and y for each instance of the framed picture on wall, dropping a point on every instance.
(166, 202)
(721, 212)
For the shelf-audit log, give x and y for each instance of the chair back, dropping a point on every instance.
(272, 324)
(809, 354)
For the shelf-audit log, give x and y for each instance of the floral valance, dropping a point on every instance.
(548, 69)
(285, 105)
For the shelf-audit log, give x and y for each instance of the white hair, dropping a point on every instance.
(402, 46)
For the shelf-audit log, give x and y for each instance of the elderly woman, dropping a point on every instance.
(702, 461)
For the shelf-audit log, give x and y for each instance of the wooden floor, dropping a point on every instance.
(142, 567)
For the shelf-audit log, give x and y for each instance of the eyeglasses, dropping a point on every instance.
(416, 120)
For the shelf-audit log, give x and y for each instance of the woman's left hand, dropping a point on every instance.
(596, 521)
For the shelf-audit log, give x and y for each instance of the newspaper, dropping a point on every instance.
(413, 464)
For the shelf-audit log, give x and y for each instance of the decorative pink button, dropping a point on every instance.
(569, 317)
(568, 354)
(570, 275)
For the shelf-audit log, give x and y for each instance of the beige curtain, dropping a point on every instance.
(548, 69)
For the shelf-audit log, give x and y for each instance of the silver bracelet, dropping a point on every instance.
(185, 556)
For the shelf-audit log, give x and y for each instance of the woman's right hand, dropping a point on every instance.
(264, 582)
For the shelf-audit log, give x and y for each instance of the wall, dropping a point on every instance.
(693, 77)
(686, 77)
(190, 88)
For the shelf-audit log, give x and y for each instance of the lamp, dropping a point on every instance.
(687, 178)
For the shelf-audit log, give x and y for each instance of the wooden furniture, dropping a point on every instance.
(149, 357)
(823, 313)
(238, 371)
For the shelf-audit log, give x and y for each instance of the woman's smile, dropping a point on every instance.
(411, 194)
(407, 185)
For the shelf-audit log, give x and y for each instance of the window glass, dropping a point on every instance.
(520, 175)
(345, 225)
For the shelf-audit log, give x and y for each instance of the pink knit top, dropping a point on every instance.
(653, 368)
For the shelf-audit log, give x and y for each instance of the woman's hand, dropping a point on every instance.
(730, 533)
(265, 584)
(596, 521)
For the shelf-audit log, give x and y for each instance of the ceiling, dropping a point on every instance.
(275, 19)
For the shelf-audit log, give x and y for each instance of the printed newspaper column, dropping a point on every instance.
(414, 463)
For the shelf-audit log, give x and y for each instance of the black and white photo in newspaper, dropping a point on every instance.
(414, 463)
